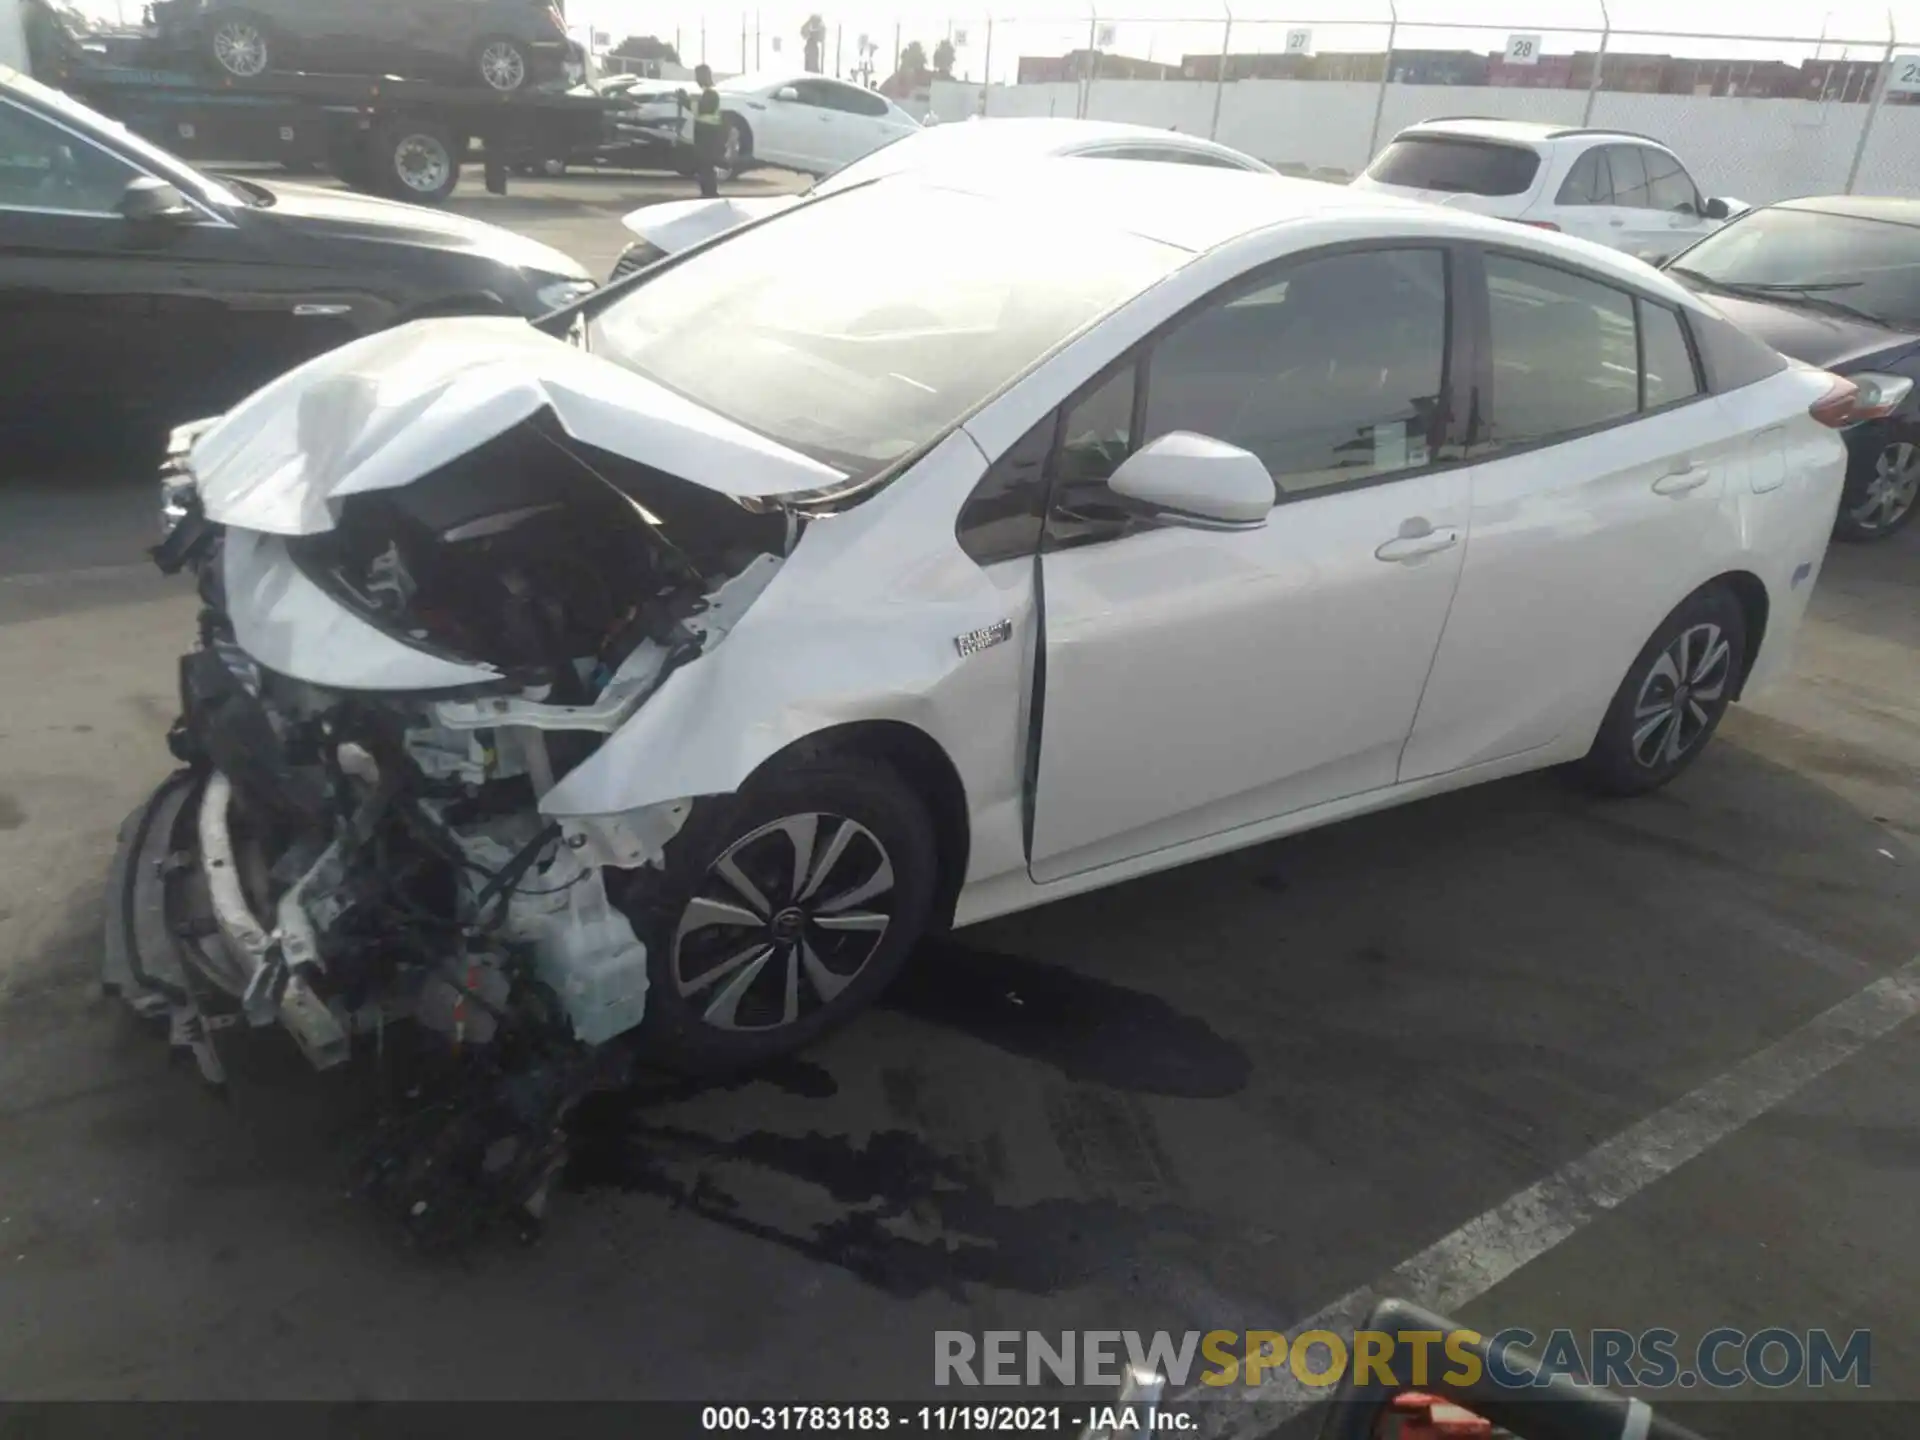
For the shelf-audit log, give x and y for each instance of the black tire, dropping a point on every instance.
(502, 64)
(740, 145)
(1882, 493)
(240, 44)
(681, 1031)
(416, 160)
(1704, 641)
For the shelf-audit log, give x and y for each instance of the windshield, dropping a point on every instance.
(151, 157)
(1460, 166)
(1872, 266)
(858, 328)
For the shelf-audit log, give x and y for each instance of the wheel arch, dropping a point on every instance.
(1751, 591)
(928, 770)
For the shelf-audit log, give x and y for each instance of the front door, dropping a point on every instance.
(1657, 209)
(1196, 680)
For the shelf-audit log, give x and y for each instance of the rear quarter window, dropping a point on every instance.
(1460, 166)
(1730, 356)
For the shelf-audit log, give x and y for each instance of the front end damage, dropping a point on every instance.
(375, 715)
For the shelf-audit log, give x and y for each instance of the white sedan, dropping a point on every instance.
(808, 123)
(670, 228)
(660, 679)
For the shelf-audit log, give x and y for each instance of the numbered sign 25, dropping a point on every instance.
(1904, 76)
(1523, 49)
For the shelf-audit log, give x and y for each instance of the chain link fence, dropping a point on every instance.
(1828, 106)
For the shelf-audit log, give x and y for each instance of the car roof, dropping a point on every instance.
(1519, 132)
(1198, 208)
(1022, 138)
(1894, 209)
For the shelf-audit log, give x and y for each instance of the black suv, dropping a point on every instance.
(504, 45)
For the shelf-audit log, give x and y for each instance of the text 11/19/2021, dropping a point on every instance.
(918, 1420)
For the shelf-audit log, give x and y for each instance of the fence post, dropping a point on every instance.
(1386, 78)
(1873, 110)
(836, 51)
(703, 40)
(986, 78)
(1084, 101)
(744, 67)
(1599, 63)
(1220, 80)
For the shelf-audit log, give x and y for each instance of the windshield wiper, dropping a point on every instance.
(1811, 293)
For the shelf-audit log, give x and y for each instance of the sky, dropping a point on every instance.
(732, 38)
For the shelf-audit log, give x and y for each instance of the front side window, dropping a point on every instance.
(1567, 357)
(43, 167)
(857, 329)
(1457, 166)
(1332, 374)
(1669, 187)
(1589, 182)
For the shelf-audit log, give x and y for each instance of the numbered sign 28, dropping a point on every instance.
(1523, 49)
(1299, 42)
(1903, 78)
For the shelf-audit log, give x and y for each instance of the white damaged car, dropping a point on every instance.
(647, 682)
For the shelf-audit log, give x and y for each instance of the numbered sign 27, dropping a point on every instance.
(1299, 42)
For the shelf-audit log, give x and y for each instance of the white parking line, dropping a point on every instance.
(1464, 1265)
(81, 575)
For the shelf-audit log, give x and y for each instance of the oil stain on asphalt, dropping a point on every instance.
(905, 1216)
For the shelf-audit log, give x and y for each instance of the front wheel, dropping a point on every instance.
(1673, 698)
(1879, 501)
(736, 156)
(782, 912)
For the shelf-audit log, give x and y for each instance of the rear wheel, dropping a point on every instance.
(1879, 501)
(782, 911)
(238, 45)
(417, 161)
(1673, 697)
(502, 64)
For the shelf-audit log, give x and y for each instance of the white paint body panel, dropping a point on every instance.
(386, 409)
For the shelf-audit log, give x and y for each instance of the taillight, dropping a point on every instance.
(1836, 409)
(1880, 395)
(1541, 224)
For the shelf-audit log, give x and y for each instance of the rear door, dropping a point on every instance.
(866, 121)
(1674, 213)
(1601, 463)
(1583, 205)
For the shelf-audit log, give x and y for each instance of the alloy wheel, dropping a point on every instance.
(730, 153)
(1891, 493)
(422, 163)
(240, 48)
(502, 66)
(783, 921)
(1682, 691)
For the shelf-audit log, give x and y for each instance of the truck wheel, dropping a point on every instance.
(238, 44)
(417, 161)
(502, 64)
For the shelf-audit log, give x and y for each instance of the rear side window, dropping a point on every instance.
(1669, 187)
(1666, 364)
(1564, 355)
(1629, 176)
(1459, 166)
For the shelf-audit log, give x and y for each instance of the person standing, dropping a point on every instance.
(709, 132)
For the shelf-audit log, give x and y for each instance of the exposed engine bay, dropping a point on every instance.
(333, 859)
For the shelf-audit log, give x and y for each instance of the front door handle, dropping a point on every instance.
(1412, 547)
(1682, 478)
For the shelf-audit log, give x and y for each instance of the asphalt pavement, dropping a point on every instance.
(1225, 1097)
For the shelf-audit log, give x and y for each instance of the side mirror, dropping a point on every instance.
(1198, 480)
(786, 92)
(148, 201)
(1718, 210)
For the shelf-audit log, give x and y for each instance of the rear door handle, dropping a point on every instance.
(1412, 547)
(1682, 478)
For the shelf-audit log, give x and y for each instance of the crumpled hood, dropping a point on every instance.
(675, 226)
(347, 214)
(385, 410)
